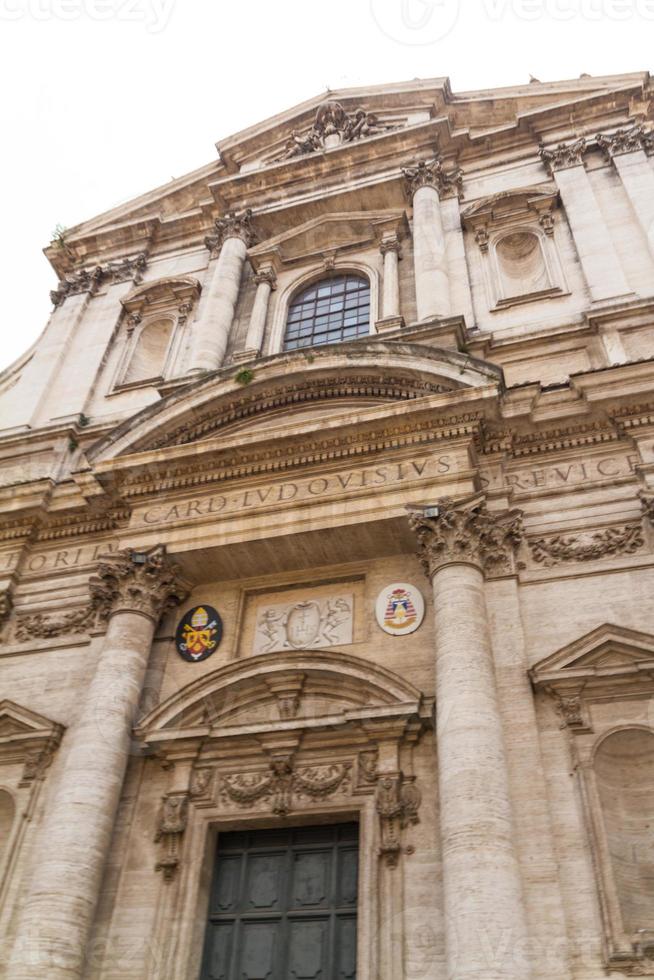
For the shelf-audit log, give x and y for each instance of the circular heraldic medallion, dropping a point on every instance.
(400, 609)
(198, 634)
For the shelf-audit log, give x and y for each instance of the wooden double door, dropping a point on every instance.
(283, 905)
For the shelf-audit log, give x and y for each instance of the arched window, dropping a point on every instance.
(149, 354)
(329, 311)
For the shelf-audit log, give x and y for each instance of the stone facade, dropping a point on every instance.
(484, 448)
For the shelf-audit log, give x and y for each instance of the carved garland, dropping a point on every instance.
(589, 547)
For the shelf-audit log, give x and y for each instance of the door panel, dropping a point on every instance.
(308, 949)
(283, 905)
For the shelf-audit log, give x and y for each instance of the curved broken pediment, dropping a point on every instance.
(302, 687)
(296, 387)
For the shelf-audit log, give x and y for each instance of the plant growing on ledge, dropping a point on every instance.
(244, 376)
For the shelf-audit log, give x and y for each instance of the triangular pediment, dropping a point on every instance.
(23, 731)
(331, 233)
(606, 651)
(403, 122)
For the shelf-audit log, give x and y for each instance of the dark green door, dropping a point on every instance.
(283, 905)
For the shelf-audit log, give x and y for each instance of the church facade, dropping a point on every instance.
(327, 556)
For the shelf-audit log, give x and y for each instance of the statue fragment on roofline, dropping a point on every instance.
(332, 127)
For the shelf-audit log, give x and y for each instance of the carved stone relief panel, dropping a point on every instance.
(305, 625)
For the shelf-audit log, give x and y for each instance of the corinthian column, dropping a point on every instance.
(485, 921)
(427, 185)
(132, 589)
(228, 247)
(627, 149)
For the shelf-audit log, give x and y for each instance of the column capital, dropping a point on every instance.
(467, 533)
(84, 281)
(391, 243)
(266, 275)
(563, 156)
(145, 582)
(432, 173)
(627, 140)
(234, 224)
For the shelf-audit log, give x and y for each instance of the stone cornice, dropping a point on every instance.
(139, 582)
(466, 532)
(432, 173)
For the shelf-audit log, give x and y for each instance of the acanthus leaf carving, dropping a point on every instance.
(234, 224)
(563, 156)
(626, 140)
(173, 820)
(587, 546)
(90, 280)
(142, 582)
(397, 801)
(467, 533)
(432, 173)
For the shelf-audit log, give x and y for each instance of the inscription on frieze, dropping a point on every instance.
(303, 490)
(308, 625)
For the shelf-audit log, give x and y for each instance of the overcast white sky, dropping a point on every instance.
(105, 99)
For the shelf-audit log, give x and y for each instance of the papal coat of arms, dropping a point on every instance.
(400, 609)
(198, 634)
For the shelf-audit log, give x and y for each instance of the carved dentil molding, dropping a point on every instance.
(90, 280)
(139, 582)
(235, 224)
(448, 183)
(470, 535)
(563, 156)
(627, 140)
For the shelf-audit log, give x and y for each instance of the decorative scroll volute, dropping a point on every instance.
(467, 533)
(627, 140)
(563, 156)
(235, 224)
(142, 582)
(448, 183)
